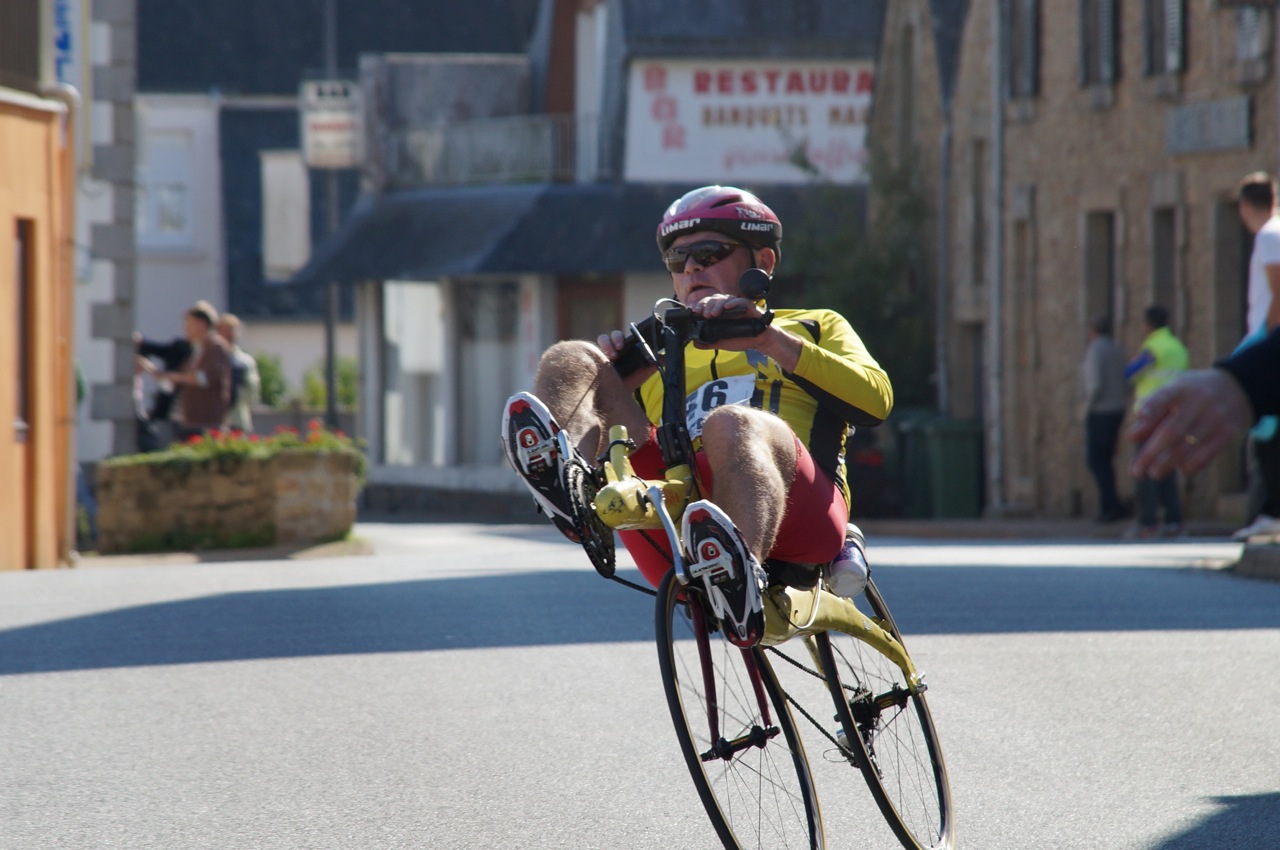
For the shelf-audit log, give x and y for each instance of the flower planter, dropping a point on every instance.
(293, 496)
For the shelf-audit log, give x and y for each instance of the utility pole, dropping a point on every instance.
(333, 293)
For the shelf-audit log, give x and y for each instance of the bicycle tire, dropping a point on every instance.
(762, 795)
(891, 735)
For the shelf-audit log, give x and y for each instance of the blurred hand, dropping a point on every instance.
(1184, 425)
(611, 343)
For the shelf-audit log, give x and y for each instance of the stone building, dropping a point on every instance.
(1095, 175)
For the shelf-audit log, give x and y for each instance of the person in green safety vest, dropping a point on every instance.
(1162, 358)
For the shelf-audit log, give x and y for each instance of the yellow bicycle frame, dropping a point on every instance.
(625, 502)
(629, 502)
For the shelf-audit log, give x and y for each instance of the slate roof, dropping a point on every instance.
(736, 28)
(264, 46)
(516, 229)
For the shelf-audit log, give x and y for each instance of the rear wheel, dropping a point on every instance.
(890, 735)
(735, 730)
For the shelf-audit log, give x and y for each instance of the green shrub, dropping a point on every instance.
(274, 390)
(346, 376)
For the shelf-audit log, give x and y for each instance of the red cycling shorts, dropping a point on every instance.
(812, 529)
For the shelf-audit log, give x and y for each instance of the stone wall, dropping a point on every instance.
(294, 497)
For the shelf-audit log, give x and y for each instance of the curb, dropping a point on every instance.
(1259, 560)
(336, 549)
(1024, 529)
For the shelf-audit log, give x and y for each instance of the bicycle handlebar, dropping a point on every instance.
(648, 336)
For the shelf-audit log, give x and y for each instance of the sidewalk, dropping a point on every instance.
(336, 549)
(1259, 559)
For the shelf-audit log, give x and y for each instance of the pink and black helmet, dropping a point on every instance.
(724, 209)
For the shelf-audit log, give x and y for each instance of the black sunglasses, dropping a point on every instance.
(705, 253)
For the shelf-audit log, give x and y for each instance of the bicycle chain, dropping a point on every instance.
(848, 753)
(596, 537)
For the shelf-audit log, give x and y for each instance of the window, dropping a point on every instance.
(1099, 263)
(1253, 34)
(163, 214)
(286, 213)
(486, 357)
(1024, 48)
(1099, 55)
(1164, 266)
(978, 205)
(1165, 36)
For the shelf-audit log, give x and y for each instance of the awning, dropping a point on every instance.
(578, 228)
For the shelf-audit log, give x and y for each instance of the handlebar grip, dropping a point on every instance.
(635, 352)
(716, 330)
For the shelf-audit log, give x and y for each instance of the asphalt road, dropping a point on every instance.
(479, 687)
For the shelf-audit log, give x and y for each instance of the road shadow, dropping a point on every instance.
(1241, 823)
(566, 607)
(993, 600)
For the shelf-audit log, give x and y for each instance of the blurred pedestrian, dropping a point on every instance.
(204, 380)
(245, 381)
(85, 500)
(1256, 201)
(1161, 359)
(1105, 394)
(155, 421)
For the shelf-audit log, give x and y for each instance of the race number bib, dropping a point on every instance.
(706, 398)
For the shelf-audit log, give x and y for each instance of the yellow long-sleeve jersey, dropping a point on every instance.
(837, 383)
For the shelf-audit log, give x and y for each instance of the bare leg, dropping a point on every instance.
(578, 384)
(753, 458)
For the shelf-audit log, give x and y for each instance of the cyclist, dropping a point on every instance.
(768, 415)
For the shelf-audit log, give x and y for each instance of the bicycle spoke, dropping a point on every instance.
(757, 792)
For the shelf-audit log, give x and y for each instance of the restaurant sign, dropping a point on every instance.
(748, 121)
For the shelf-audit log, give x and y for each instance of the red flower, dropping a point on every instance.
(215, 434)
(283, 429)
(338, 433)
(195, 440)
(314, 425)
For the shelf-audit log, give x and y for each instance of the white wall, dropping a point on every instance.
(299, 345)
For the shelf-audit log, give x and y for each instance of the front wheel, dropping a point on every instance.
(735, 730)
(889, 733)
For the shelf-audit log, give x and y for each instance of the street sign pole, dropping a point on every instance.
(331, 113)
(333, 301)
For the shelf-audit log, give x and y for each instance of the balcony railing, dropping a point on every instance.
(519, 149)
